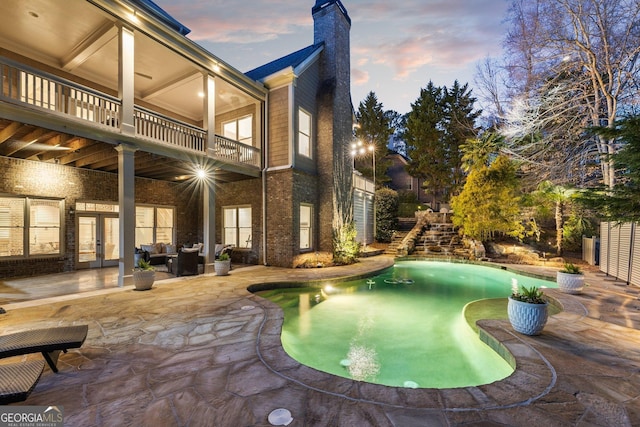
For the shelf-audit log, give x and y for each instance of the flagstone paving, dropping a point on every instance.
(203, 351)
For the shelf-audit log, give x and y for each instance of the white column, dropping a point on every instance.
(209, 226)
(125, 79)
(127, 215)
(209, 108)
(208, 196)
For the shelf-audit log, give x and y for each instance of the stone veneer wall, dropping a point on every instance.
(36, 179)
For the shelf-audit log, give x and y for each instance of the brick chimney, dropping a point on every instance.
(332, 26)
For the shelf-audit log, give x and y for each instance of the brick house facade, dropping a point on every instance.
(97, 129)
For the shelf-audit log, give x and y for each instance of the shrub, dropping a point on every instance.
(345, 247)
(144, 265)
(386, 214)
(531, 295)
(571, 268)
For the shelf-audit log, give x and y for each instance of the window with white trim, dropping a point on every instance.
(239, 130)
(237, 226)
(154, 224)
(304, 133)
(30, 226)
(306, 226)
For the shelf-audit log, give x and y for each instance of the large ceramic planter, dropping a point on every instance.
(527, 318)
(222, 267)
(570, 283)
(143, 279)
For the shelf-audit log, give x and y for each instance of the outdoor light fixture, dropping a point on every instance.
(201, 173)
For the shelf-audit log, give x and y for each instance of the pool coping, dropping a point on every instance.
(533, 377)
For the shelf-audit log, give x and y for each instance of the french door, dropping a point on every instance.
(98, 240)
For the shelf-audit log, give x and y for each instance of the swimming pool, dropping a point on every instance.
(404, 327)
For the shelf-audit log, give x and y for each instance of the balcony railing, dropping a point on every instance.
(41, 90)
(155, 126)
(228, 150)
(24, 85)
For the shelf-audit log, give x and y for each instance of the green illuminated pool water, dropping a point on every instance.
(402, 328)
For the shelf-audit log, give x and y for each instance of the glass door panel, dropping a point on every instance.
(111, 239)
(98, 240)
(87, 238)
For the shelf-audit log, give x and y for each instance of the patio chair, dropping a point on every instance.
(185, 264)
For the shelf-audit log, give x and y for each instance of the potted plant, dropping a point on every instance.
(528, 310)
(222, 265)
(570, 279)
(143, 275)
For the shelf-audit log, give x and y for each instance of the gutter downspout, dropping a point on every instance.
(264, 178)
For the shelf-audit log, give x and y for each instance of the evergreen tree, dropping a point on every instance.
(424, 136)
(440, 122)
(373, 132)
(622, 202)
(459, 126)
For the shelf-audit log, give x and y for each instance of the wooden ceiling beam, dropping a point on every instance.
(16, 144)
(9, 131)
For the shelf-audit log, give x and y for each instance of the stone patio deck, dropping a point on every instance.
(203, 351)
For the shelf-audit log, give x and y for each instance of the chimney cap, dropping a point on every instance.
(321, 4)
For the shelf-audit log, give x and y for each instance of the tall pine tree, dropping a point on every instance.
(440, 121)
(374, 129)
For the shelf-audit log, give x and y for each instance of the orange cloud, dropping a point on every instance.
(216, 23)
(359, 77)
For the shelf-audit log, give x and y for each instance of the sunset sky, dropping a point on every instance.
(396, 47)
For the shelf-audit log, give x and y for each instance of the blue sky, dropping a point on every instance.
(396, 47)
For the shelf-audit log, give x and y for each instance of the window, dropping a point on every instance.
(164, 225)
(41, 227)
(239, 130)
(44, 227)
(237, 226)
(154, 225)
(304, 133)
(306, 226)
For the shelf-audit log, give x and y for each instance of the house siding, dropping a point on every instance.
(306, 91)
(278, 127)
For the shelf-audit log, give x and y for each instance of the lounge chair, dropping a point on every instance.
(17, 380)
(48, 341)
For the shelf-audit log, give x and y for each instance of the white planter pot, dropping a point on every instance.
(222, 267)
(526, 318)
(570, 283)
(143, 279)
